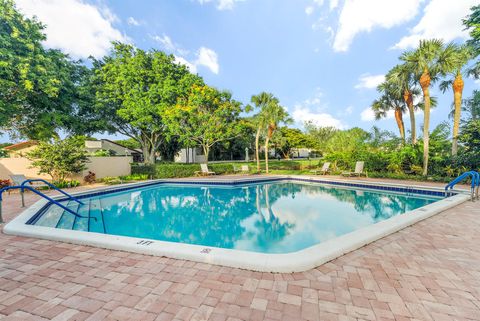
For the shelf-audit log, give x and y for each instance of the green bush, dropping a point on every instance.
(66, 184)
(172, 170)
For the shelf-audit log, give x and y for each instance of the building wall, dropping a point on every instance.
(101, 166)
(190, 155)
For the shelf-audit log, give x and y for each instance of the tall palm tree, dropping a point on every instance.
(391, 99)
(429, 61)
(461, 56)
(273, 114)
(261, 101)
(403, 81)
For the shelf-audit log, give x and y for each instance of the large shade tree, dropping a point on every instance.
(460, 58)
(37, 85)
(429, 61)
(205, 117)
(135, 89)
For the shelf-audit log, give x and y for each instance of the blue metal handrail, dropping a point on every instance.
(52, 186)
(51, 200)
(475, 182)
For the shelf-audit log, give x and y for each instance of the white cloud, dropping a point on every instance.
(221, 4)
(132, 21)
(369, 81)
(309, 10)
(313, 109)
(442, 19)
(182, 61)
(208, 58)
(368, 115)
(333, 4)
(203, 56)
(363, 16)
(301, 115)
(77, 28)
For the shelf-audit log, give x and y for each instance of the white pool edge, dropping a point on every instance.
(282, 263)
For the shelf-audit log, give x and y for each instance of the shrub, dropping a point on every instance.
(90, 178)
(66, 184)
(4, 183)
(172, 170)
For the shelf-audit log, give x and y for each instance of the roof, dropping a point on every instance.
(21, 145)
(112, 142)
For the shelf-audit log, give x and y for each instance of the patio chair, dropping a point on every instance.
(324, 170)
(358, 170)
(244, 169)
(18, 179)
(204, 171)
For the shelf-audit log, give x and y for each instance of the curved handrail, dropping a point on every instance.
(52, 186)
(40, 194)
(475, 182)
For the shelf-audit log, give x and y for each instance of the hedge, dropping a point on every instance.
(172, 170)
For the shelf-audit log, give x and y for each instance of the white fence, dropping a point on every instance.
(101, 166)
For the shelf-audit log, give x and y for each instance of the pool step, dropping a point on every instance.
(51, 216)
(96, 221)
(81, 223)
(68, 219)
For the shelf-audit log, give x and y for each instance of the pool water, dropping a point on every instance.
(273, 217)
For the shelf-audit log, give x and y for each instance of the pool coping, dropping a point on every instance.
(299, 261)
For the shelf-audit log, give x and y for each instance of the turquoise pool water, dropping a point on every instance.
(274, 217)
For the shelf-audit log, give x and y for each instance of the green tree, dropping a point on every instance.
(460, 56)
(285, 139)
(472, 23)
(128, 143)
(319, 136)
(205, 117)
(429, 61)
(37, 86)
(60, 158)
(472, 105)
(135, 89)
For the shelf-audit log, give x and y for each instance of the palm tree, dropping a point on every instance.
(461, 56)
(429, 61)
(273, 115)
(403, 81)
(261, 101)
(391, 99)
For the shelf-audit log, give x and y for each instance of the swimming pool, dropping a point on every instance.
(260, 220)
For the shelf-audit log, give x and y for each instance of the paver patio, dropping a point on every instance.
(429, 271)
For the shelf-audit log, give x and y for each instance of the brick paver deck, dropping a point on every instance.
(430, 271)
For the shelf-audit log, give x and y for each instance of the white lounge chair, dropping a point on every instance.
(358, 170)
(204, 170)
(244, 169)
(18, 179)
(324, 170)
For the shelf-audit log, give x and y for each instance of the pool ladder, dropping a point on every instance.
(24, 187)
(474, 187)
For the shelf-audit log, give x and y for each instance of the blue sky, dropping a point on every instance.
(322, 58)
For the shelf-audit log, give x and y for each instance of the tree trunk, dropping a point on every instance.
(425, 84)
(399, 120)
(257, 139)
(408, 97)
(206, 152)
(457, 99)
(266, 153)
